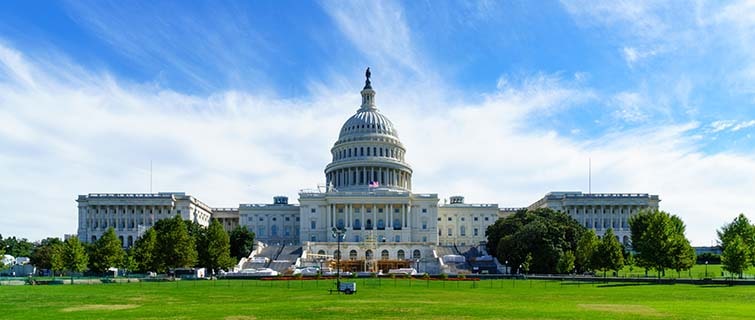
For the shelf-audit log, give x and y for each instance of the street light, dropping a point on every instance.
(506, 264)
(339, 234)
(706, 269)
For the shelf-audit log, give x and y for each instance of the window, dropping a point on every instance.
(395, 210)
(380, 210)
(397, 238)
(440, 232)
(287, 218)
(361, 151)
(340, 210)
(357, 224)
(274, 231)
(438, 218)
(275, 219)
(462, 218)
(384, 255)
(424, 239)
(356, 210)
(475, 218)
(340, 224)
(381, 224)
(397, 224)
(416, 254)
(262, 219)
(475, 231)
(261, 231)
(297, 219)
(368, 151)
(313, 224)
(463, 231)
(368, 255)
(401, 255)
(450, 232)
(424, 210)
(486, 218)
(313, 210)
(450, 219)
(352, 255)
(424, 224)
(321, 252)
(313, 239)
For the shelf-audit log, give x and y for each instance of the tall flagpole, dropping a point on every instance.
(589, 175)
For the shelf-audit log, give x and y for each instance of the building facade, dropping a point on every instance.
(130, 214)
(600, 211)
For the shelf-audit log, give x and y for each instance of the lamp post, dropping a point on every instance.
(339, 234)
(706, 269)
(506, 265)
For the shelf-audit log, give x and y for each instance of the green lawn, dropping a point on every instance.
(388, 299)
(697, 272)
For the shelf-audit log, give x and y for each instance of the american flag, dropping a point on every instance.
(374, 184)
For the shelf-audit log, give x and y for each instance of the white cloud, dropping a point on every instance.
(62, 138)
(630, 107)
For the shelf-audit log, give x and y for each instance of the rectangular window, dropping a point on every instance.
(395, 210)
(475, 232)
(424, 224)
(313, 210)
(475, 218)
(380, 210)
(313, 224)
(424, 210)
(450, 233)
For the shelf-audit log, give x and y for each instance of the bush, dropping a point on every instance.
(426, 276)
(443, 276)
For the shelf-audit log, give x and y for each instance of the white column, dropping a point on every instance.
(390, 217)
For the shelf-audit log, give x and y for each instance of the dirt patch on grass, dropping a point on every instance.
(240, 318)
(100, 307)
(622, 308)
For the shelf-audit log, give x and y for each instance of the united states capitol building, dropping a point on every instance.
(367, 194)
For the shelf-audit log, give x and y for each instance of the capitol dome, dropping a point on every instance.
(368, 153)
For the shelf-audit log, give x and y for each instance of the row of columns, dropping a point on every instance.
(350, 152)
(361, 176)
(122, 217)
(349, 215)
(604, 216)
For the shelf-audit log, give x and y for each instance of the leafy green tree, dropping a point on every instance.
(609, 254)
(74, 255)
(542, 234)
(739, 228)
(41, 257)
(145, 253)
(566, 262)
(106, 252)
(17, 248)
(56, 258)
(242, 242)
(175, 247)
(586, 247)
(658, 238)
(505, 226)
(216, 248)
(128, 263)
(736, 256)
(682, 252)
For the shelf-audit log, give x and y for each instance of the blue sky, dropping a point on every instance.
(235, 102)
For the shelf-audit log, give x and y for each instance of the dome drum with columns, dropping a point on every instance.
(368, 150)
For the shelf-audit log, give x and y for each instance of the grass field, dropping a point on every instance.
(385, 298)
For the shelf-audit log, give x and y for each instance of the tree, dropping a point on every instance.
(658, 238)
(609, 254)
(739, 228)
(74, 256)
(542, 234)
(682, 252)
(144, 252)
(43, 253)
(128, 263)
(216, 248)
(106, 252)
(17, 248)
(175, 248)
(242, 242)
(736, 256)
(586, 247)
(566, 262)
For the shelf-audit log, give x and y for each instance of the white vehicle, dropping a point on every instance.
(260, 272)
(308, 271)
(404, 271)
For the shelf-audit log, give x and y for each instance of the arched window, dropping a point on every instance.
(130, 241)
(352, 255)
(337, 254)
(368, 255)
(397, 224)
(400, 255)
(368, 224)
(381, 224)
(463, 231)
(416, 254)
(384, 255)
(357, 224)
(321, 252)
(340, 224)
